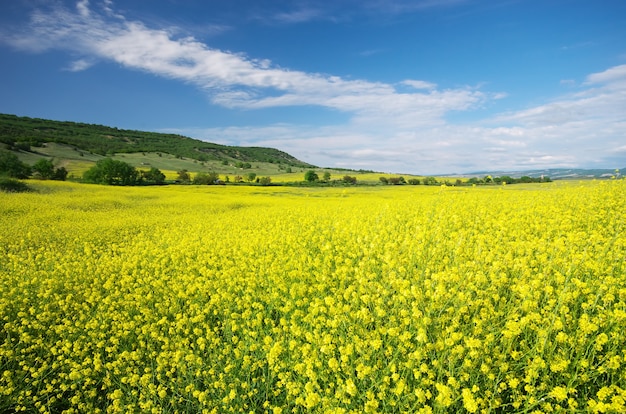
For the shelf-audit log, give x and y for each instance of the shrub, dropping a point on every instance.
(430, 181)
(43, 168)
(11, 185)
(153, 176)
(12, 166)
(112, 172)
(311, 176)
(203, 178)
(183, 176)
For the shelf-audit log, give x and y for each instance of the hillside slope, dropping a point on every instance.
(23, 132)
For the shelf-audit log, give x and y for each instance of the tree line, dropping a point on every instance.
(112, 172)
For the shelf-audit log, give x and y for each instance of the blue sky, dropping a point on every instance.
(419, 86)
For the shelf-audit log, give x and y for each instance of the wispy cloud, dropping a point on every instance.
(80, 65)
(419, 84)
(303, 11)
(298, 16)
(579, 45)
(409, 6)
(370, 52)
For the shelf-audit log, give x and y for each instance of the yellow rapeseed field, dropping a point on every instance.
(186, 299)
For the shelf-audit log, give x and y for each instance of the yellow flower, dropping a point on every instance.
(468, 400)
(558, 393)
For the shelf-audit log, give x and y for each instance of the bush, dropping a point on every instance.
(60, 174)
(311, 176)
(153, 176)
(12, 166)
(43, 168)
(183, 176)
(11, 185)
(112, 172)
(203, 178)
(430, 181)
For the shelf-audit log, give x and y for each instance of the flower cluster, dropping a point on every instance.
(278, 299)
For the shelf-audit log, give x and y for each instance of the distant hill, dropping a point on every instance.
(21, 133)
(553, 173)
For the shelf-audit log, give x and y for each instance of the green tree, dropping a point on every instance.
(183, 176)
(43, 168)
(250, 177)
(311, 176)
(60, 174)
(203, 178)
(384, 180)
(11, 166)
(153, 176)
(430, 181)
(265, 180)
(327, 176)
(112, 172)
(243, 165)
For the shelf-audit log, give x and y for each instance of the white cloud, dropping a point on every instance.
(83, 8)
(419, 84)
(298, 16)
(615, 76)
(80, 65)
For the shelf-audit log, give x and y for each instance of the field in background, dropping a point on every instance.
(281, 299)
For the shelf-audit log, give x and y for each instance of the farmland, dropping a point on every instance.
(342, 300)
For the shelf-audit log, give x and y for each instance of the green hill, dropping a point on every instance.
(89, 141)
